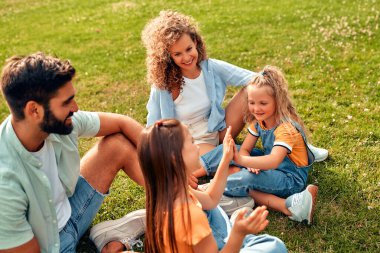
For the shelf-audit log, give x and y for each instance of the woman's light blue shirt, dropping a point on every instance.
(217, 74)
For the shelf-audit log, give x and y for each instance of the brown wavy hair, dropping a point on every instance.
(273, 78)
(163, 167)
(158, 36)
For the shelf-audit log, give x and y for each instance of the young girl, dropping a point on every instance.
(280, 170)
(175, 220)
(189, 86)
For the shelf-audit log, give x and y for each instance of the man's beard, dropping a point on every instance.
(52, 125)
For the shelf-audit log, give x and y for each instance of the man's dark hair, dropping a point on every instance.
(36, 77)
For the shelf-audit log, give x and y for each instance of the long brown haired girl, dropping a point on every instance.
(175, 219)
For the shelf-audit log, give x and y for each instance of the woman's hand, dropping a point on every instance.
(253, 224)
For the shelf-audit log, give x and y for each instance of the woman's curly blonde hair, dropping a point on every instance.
(158, 36)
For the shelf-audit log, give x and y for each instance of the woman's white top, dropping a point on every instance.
(193, 103)
(192, 107)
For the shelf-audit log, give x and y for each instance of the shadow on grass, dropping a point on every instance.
(85, 245)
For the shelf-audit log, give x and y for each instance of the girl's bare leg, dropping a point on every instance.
(270, 200)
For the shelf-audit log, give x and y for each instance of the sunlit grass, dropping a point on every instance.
(329, 51)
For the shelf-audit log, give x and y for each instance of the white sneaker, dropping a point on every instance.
(235, 214)
(125, 230)
(302, 205)
(231, 204)
(320, 154)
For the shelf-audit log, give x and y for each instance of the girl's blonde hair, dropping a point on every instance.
(273, 78)
(158, 36)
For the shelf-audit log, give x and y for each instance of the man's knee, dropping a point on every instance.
(115, 140)
(103, 161)
(116, 146)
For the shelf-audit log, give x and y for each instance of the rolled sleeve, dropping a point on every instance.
(253, 130)
(87, 124)
(232, 74)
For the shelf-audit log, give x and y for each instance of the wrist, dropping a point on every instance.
(238, 233)
(224, 161)
(239, 159)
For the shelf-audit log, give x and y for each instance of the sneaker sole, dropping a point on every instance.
(113, 224)
(313, 189)
(249, 210)
(320, 154)
(321, 159)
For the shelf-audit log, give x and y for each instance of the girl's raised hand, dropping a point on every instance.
(253, 224)
(228, 145)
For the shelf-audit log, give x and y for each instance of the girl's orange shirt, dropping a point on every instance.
(287, 136)
(188, 233)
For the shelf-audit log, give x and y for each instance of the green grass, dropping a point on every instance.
(329, 51)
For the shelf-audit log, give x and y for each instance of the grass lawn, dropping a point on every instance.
(329, 51)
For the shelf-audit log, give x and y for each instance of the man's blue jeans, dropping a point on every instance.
(85, 204)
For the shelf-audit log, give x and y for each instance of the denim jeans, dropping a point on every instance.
(284, 181)
(275, 182)
(287, 180)
(85, 204)
(221, 229)
(210, 161)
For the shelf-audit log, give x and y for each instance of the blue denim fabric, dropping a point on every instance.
(270, 181)
(220, 225)
(217, 74)
(85, 204)
(263, 244)
(210, 161)
(284, 181)
(221, 228)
